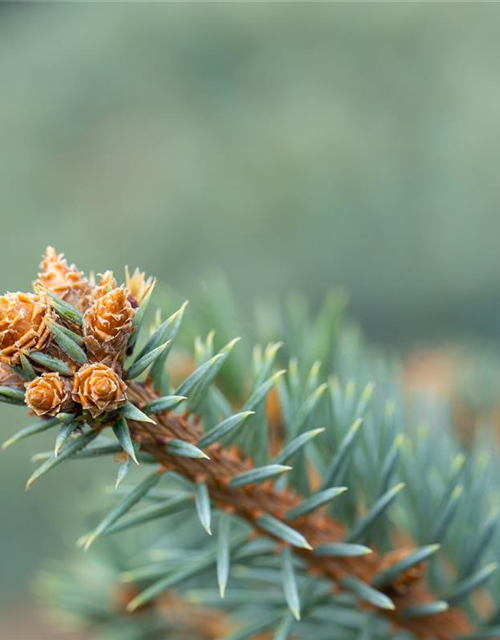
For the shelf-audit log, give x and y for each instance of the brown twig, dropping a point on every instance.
(250, 502)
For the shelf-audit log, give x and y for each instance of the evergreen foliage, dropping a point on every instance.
(293, 493)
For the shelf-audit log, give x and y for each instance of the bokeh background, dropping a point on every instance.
(288, 146)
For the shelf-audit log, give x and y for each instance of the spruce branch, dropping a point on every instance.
(337, 527)
(253, 501)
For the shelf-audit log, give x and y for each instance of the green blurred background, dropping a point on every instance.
(291, 146)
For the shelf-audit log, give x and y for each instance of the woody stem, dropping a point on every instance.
(250, 502)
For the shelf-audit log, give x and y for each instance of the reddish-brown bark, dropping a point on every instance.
(252, 501)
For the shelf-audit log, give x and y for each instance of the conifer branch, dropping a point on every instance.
(252, 501)
(68, 353)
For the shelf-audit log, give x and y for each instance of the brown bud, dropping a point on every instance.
(138, 285)
(23, 326)
(403, 581)
(65, 281)
(98, 389)
(107, 325)
(9, 378)
(47, 394)
(124, 594)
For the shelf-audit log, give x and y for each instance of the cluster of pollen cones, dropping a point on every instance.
(64, 344)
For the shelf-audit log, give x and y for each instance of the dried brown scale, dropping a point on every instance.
(9, 378)
(194, 620)
(190, 620)
(249, 502)
(404, 581)
(124, 594)
(138, 285)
